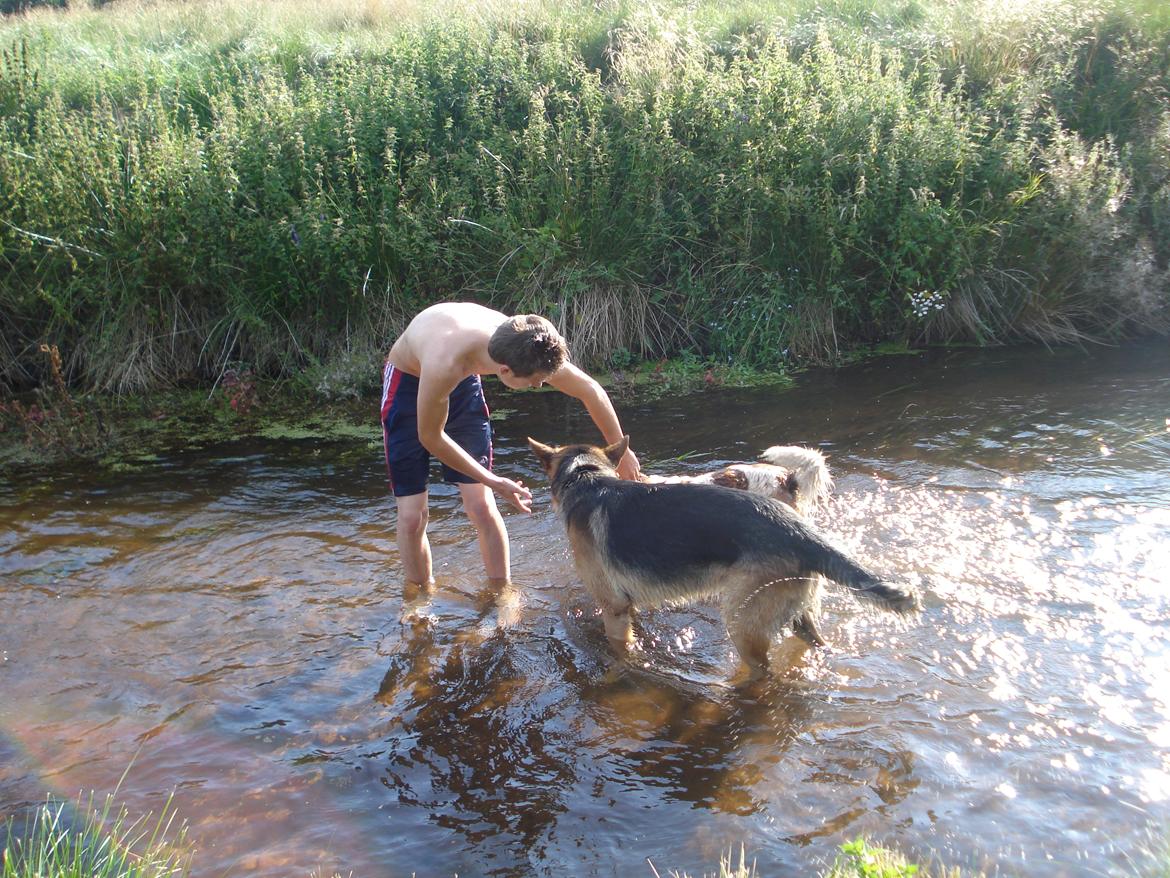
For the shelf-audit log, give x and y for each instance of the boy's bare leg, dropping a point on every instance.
(413, 546)
(480, 504)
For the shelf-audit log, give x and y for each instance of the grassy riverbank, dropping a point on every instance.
(188, 190)
(56, 422)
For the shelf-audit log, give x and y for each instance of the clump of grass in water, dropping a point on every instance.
(1152, 858)
(103, 843)
(728, 868)
(860, 859)
(857, 859)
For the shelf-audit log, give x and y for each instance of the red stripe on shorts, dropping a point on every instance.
(390, 380)
(487, 414)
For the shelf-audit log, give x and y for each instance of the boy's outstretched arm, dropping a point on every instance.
(572, 381)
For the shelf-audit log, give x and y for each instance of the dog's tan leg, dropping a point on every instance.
(804, 626)
(753, 649)
(619, 627)
(758, 604)
(804, 623)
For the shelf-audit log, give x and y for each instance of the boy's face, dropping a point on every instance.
(514, 381)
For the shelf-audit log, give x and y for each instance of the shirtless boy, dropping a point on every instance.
(432, 404)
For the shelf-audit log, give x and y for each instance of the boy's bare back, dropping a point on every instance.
(449, 338)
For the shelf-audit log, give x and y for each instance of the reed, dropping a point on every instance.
(729, 867)
(92, 840)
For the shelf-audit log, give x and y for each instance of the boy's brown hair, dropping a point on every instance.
(528, 344)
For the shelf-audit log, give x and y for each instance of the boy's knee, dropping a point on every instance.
(412, 522)
(481, 509)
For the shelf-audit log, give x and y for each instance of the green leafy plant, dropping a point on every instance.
(858, 858)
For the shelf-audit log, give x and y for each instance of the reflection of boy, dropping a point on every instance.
(432, 403)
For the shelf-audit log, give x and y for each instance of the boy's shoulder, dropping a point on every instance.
(472, 311)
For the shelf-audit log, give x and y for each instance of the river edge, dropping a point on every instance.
(53, 425)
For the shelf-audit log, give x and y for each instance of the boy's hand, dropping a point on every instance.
(628, 467)
(514, 492)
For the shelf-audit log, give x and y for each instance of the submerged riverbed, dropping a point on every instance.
(232, 622)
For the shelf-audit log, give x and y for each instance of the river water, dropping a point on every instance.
(231, 624)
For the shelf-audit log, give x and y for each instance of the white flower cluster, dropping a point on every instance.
(925, 302)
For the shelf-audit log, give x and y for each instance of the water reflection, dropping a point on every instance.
(489, 742)
(232, 622)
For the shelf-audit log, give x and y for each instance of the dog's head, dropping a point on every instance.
(561, 462)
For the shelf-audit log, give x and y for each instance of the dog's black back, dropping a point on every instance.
(677, 527)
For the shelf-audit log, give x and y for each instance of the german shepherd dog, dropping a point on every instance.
(791, 474)
(649, 545)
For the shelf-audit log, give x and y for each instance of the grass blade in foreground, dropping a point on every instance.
(99, 843)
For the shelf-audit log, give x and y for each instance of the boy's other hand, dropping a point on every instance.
(514, 492)
(629, 468)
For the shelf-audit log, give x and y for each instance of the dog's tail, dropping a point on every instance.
(840, 568)
(807, 465)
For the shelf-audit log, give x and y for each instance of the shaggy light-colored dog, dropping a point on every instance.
(792, 474)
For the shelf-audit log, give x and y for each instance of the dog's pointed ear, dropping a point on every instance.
(544, 453)
(618, 450)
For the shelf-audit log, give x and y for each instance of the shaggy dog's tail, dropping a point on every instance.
(808, 466)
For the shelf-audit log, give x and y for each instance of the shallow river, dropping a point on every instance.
(231, 624)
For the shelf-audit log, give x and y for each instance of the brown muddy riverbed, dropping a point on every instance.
(232, 621)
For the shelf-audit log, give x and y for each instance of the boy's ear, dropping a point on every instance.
(618, 450)
(544, 453)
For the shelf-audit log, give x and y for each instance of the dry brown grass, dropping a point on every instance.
(602, 319)
(811, 331)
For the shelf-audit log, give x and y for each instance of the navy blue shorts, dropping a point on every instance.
(407, 461)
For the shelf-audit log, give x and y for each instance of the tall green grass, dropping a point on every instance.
(87, 840)
(188, 188)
